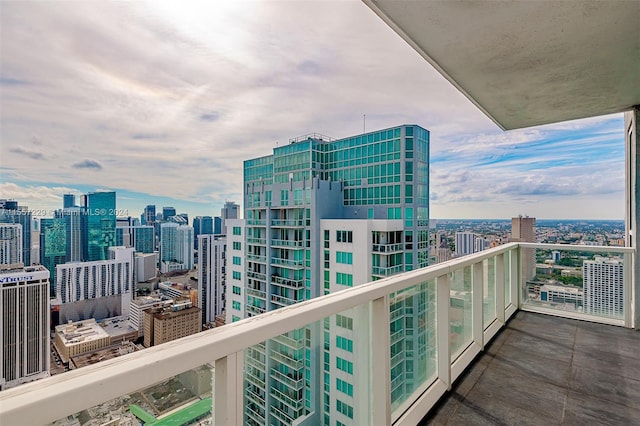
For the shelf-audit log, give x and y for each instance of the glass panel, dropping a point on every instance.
(183, 399)
(460, 311)
(413, 344)
(489, 291)
(579, 281)
(507, 278)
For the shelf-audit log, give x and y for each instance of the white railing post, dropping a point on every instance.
(514, 277)
(380, 362)
(443, 294)
(477, 275)
(227, 390)
(499, 275)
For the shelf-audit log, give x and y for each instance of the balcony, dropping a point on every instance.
(462, 308)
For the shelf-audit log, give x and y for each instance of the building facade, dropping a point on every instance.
(24, 325)
(202, 225)
(170, 323)
(376, 188)
(603, 287)
(176, 247)
(11, 212)
(230, 210)
(11, 255)
(101, 224)
(465, 243)
(212, 275)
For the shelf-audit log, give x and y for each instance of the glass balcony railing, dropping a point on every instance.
(382, 352)
(287, 243)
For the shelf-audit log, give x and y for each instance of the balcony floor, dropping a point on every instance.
(543, 370)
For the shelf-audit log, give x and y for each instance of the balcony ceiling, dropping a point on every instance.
(526, 63)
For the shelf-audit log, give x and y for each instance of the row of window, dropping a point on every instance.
(344, 257)
(344, 343)
(344, 322)
(344, 279)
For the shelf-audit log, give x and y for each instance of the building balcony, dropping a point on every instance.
(388, 248)
(287, 282)
(386, 271)
(287, 263)
(287, 223)
(287, 244)
(480, 312)
(257, 241)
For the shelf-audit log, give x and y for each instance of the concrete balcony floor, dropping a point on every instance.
(544, 370)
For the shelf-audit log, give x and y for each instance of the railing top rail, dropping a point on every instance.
(578, 247)
(73, 391)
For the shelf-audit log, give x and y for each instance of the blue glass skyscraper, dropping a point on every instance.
(101, 224)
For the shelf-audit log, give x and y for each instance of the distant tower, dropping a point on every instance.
(211, 275)
(24, 325)
(465, 243)
(168, 212)
(11, 245)
(149, 215)
(603, 287)
(229, 211)
(69, 200)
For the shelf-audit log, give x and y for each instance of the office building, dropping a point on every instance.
(139, 305)
(309, 208)
(101, 224)
(24, 325)
(465, 243)
(76, 222)
(176, 247)
(11, 246)
(53, 246)
(68, 201)
(98, 289)
(146, 266)
(168, 212)
(171, 322)
(202, 225)
(603, 287)
(141, 237)
(230, 210)
(11, 212)
(148, 215)
(212, 276)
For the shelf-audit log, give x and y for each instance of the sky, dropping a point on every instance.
(162, 101)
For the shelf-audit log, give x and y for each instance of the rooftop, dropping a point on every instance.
(548, 370)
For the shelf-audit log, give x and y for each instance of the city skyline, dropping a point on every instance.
(170, 125)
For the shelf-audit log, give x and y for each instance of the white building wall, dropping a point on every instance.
(233, 271)
(211, 276)
(603, 287)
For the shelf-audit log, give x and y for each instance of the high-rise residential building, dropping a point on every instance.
(465, 243)
(523, 229)
(101, 224)
(141, 237)
(172, 322)
(211, 275)
(148, 215)
(176, 247)
(98, 289)
(53, 246)
(168, 212)
(11, 245)
(230, 210)
(11, 212)
(603, 287)
(202, 225)
(24, 325)
(322, 215)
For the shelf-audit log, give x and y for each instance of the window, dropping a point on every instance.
(236, 305)
(344, 279)
(237, 276)
(344, 236)
(344, 322)
(344, 257)
(344, 387)
(237, 260)
(237, 230)
(344, 365)
(344, 343)
(344, 408)
(237, 290)
(237, 245)
(235, 318)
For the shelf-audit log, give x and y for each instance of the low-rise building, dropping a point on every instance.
(171, 322)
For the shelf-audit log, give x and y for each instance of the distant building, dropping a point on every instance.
(148, 215)
(139, 305)
(11, 212)
(101, 224)
(24, 325)
(563, 295)
(176, 247)
(212, 276)
(217, 225)
(98, 289)
(142, 237)
(603, 286)
(53, 246)
(465, 243)
(77, 338)
(11, 245)
(146, 266)
(171, 322)
(202, 225)
(69, 200)
(229, 211)
(168, 212)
